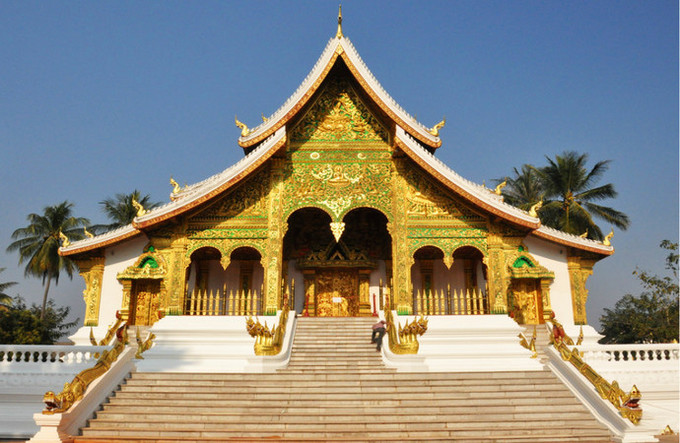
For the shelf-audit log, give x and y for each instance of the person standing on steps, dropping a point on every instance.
(378, 333)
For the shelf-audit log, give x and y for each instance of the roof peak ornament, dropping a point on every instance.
(339, 33)
(435, 129)
(608, 238)
(244, 129)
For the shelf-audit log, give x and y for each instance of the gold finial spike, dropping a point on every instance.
(668, 430)
(608, 239)
(140, 209)
(175, 186)
(535, 208)
(88, 234)
(65, 241)
(244, 129)
(435, 129)
(499, 188)
(339, 33)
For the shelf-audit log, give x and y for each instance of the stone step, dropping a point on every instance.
(350, 382)
(394, 408)
(489, 377)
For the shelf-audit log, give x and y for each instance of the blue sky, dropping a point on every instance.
(98, 98)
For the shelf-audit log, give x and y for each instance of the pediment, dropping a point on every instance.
(338, 115)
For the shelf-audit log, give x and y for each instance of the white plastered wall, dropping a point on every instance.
(118, 258)
(554, 258)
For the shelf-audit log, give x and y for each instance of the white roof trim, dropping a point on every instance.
(197, 190)
(109, 235)
(313, 76)
(575, 239)
(479, 191)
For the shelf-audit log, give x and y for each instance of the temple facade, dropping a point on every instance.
(341, 207)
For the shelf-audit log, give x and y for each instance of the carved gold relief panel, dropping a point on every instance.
(92, 271)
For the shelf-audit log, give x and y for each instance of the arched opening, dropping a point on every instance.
(334, 269)
(449, 285)
(213, 290)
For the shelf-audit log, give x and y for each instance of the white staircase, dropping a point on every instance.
(336, 389)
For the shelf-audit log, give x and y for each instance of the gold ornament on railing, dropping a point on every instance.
(268, 341)
(109, 334)
(74, 391)
(404, 340)
(143, 346)
(627, 404)
(530, 345)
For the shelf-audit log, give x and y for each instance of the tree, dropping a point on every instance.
(524, 189)
(38, 244)
(22, 325)
(121, 211)
(569, 195)
(651, 317)
(5, 299)
(566, 187)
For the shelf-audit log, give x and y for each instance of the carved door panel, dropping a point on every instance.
(527, 301)
(145, 302)
(337, 293)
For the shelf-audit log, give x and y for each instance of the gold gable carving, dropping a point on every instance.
(248, 200)
(339, 115)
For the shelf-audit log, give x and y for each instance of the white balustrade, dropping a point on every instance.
(20, 357)
(631, 353)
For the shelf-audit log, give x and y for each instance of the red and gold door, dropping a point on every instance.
(337, 293)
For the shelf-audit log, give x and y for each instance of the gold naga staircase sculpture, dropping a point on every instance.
(75, 390)
(404, 340)
(628, 404)
(268, 341)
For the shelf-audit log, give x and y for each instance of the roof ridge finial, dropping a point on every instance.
(339, 34)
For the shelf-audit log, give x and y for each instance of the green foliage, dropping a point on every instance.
(5, 299)
(120, 210)
(38, 243)
(22, 325)
(566, 187)
(651, 317)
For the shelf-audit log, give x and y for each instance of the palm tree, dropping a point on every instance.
(38, 244)
(120, 209)
(5, 299)
(524, 189)
(569, 191)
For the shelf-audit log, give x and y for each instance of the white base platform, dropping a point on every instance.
(465, 343)
(211, 344)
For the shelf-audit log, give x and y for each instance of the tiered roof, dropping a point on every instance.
(261, 142)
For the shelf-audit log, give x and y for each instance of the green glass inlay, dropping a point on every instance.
(522, 261)
(149, 262)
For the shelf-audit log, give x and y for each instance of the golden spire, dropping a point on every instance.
(339, 34)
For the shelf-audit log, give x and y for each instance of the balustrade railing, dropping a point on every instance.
(631, 353)
(20, 355)
(223, 303)
(450, 302)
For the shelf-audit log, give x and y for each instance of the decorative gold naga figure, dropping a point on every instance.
(435, 129)
(140, 209)
(535, 208)
(175, 186)
(244, 129)
(88, 234)
(65, 241)
(499, 188)
(608, 239)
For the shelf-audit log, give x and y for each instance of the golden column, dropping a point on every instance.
(274, 246)
(92, 271)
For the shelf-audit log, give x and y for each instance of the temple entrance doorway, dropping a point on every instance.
(334, 272)
(144, 302)
(526, 302)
